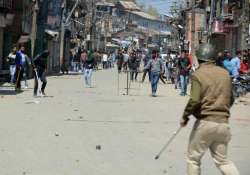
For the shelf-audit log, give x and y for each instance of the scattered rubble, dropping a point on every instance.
(245, 99)
(33, 102)
(98, 147)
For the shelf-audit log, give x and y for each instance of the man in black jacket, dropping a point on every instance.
(88, 65)
(145, 62)
(133, 66)
(40, 66)
(120, 60)
(184, 66)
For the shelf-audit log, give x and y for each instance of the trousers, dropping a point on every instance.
(88, 76)
(144, 75)
(19, 76)
(184, 84)
(12, 73)
(211, 136)
(133, 74)
(154, 78)
(42, 76)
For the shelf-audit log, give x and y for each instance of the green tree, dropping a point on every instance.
(152, 11)
(142, 6)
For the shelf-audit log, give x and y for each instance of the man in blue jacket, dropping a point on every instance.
(19, 68)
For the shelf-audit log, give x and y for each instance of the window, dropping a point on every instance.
(6, 4)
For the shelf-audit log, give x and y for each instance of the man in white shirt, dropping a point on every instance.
(12, 65)
(104, 60)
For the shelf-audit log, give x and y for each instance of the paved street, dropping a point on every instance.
(58, 134)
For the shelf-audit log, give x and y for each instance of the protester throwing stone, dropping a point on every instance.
(210, 102)
(40, 66)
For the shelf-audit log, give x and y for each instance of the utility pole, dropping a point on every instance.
(245, 24)
(62, 33)
(34, 28)
(211, 20)
(193, 18)
(64, 23)
(193, 26)
(93, 23)
(106, 29)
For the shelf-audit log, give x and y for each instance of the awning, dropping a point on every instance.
(2, 21)
(116, 40)
(24, 39)
(165, 33)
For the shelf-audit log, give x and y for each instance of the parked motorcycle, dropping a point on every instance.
(241, 85)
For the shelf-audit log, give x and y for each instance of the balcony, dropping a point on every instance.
(6, 4)
(227, 17)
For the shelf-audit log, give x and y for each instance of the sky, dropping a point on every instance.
(163, 6)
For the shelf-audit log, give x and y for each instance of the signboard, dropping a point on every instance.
(54, 21)
(2, 21)
(88, 37)
(220, 27)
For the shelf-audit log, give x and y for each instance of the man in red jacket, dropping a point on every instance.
(244, 68)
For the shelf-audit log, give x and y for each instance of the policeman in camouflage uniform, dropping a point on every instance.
(210, 103)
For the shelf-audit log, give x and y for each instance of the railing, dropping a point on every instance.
(7, 4)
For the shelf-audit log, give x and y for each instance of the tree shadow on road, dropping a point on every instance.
(8, 92)
(46, 96)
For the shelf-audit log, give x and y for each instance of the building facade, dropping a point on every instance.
(224, 23)
(8, 11)
(146, 28)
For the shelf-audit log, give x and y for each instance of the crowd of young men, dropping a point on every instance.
(235, 65)
(176, 69)
(19, 66)
(211, 89)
